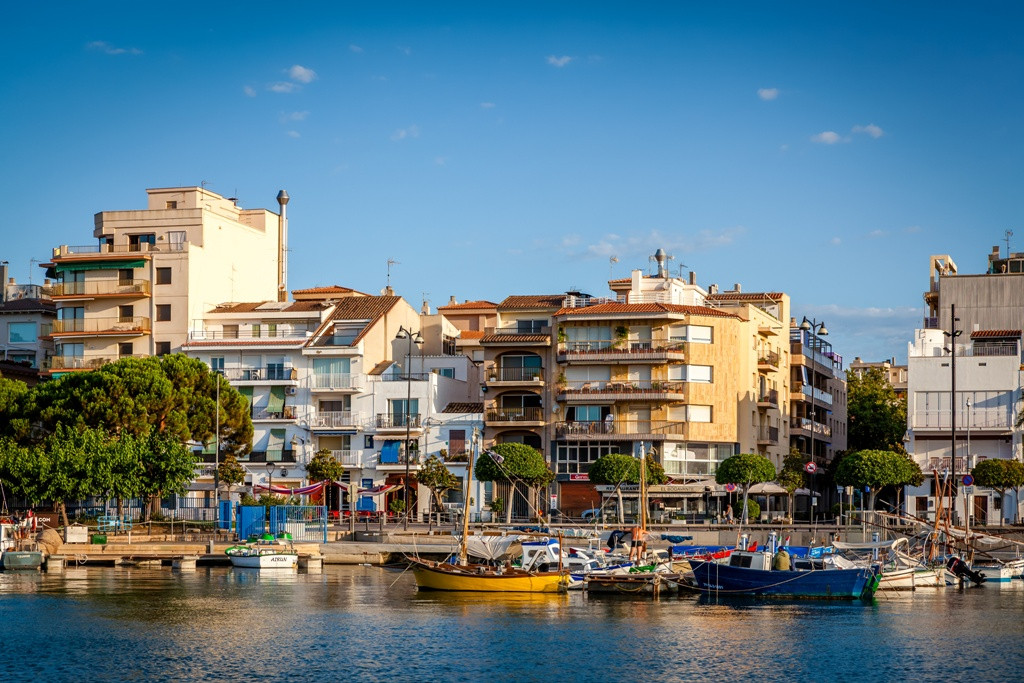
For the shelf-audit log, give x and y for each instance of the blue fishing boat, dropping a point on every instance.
(750, 573)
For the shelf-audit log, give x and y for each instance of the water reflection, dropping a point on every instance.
(368, 623)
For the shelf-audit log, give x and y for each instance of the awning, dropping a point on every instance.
(389, 452)
(768, 489)
(246, 393)
(99, 265)
(276, 402)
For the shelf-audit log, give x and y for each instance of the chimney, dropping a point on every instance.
(693, 278)
(736, 288)
(425, 308)
(3, 281)
(452, 301)
(282, 247)
(712, 289)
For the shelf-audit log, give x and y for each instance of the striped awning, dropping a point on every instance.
(99, 265)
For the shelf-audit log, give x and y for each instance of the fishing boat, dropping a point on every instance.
(901, 570)
(267, 552)
(462, 575)
(750, 573)
(19, 553)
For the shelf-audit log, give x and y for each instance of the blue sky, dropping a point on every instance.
(823, 149)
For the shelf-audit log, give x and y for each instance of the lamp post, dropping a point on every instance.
(414, 338)
(216, 461)
(812, 329)
(952, 334)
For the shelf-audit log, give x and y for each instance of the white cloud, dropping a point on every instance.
(768, 93)
(559, 61)
(249, 91)
(293, 134)
(355, 48)
(282, 87)
(296, 116)
(870, 129)
(835, 241)
(412, 131)
(827, 137)
(108, 49)
(301, 74)
(487, 105)
(875, 234)
(405, 50)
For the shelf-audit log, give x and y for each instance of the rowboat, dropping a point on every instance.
(265, 553)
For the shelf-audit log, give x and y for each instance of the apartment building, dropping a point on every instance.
(26, 319)
(151, 272)
(948, 435)
(818, 394)
(895, 374)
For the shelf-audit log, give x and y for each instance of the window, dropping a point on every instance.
(445, 372)
(163, 312)
(163, 348)
(21, 333)
(141, 242)
(448, 345)
(700, 334)
(588, 338)
(690, 373)
(696, 413)
(171, 205)
(163, 276)
(230, 331)
(176, 240)
(400, 414)
(125, 349)
(126, 314)
(217, 364)
(271, 329)
(367, 441)
(530, 326)
(346, 332)
(255, 331)
(456, 442)
(125, 276)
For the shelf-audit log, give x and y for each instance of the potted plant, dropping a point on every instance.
(621, 334)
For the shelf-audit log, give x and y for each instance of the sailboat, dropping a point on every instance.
(465, 576)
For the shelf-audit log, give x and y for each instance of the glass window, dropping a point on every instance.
(163, 348)
(163, 312)
(22, 333)
(445, 372)
(163, 276)
(271, 329)
(217, 364)
(255, 330)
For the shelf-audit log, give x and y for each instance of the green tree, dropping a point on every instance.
(792, 475)
(994, 473)
(876, 417)
(614, 469)
(15, 399)
(516, 462)
(324, 467)
(1015, 475)
(745, 469)
(875, 469)
(435, 476)
(753, 510)
(230, 472)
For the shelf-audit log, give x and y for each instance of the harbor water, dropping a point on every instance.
(369, 623)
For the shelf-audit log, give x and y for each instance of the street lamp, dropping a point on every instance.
(414, 338)
(952, 334)
(813, 329)
(216, 462)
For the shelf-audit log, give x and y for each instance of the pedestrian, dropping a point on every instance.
(728, 512)
(609, 423)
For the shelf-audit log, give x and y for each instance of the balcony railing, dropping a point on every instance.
(99, 288)
(770, 358)
(262, 413)
(262, 373)
(942, 463)
(399, 460)
(634, 348)
(271, 455)
(770, 396)
(819, 395)
(645, 386)
(334, 419)
(348, 458)
(515, 329)
(65, 251)
(515, 415)
(400, 377)
(931, 323)
(516, 375)
(768, 435)
(613, 428)
(76, 362)
(126, 325)
(804, 423)
(395, 421)
(246, 335)
(976, 418)
(336, 381)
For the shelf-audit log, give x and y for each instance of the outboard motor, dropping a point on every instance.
(962, 571)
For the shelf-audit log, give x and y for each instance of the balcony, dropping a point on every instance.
(335, 419)
(513, 335)
(396, 463)
(769, 398)
(261, 373)
(107, 251)
(262, 414)
(769, 362)
(518, 416)
(629, 390)
(337, 381)
(941, 464)
(977, 419)
(803, 426)
(806, 392)
(385, 422)
(508, 377)
(285, 455)
(348, 458)
(99, 289)
(116, 327)
(650, 430)
(767, 436)
(622, 351)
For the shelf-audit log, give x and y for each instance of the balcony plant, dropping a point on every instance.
(621, 334)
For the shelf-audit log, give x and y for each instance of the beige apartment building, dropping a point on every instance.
(152, 271)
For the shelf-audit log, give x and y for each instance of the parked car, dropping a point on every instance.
(591, 514)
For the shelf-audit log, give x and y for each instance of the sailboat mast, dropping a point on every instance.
(465, 499)
(643, 488)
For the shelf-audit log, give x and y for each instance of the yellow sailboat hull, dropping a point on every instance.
(446, 577)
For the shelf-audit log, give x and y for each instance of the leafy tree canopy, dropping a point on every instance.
(230, 472)
(618, 468)
(435, 476)
(876, 469)
(876, 418)
(745, 469)
(519, 462)
(993, 473)
(792, 475)
(323, 467)
(15, 399)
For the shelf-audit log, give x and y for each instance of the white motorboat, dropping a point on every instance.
(268, 552)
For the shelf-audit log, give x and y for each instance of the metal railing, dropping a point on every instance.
(515, 329)
(515, 415)
(976, 418)
(128, 325)
(498, 374)
(262, 413)
(65, 251)
(99, 288)
(769, 396)
(769, 358)
(400, 377)
(271, 455)
(769, 434)
(246, 334)
(623, 346)
(347, 458)
(644, 386)
(334, 419)
(806, 424)
(335, 381)
(819, 395)
(601, 428)
(395, 421)
(262, 373)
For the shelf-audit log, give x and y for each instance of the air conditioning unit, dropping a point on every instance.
(291, 391)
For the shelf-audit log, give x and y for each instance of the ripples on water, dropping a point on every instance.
(368, 623)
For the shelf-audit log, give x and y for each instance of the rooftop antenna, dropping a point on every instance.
(31, 263)
(391, 262)
(1009, 234)
(612, 260)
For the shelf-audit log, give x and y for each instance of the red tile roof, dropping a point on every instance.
(28, 306)
(329, 289)
(369, 308)
(514, 338)
(746, 296)
(999, 334)
(646, 309)
(471, 334)
(532, 301)
(467, 305)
